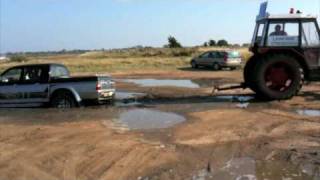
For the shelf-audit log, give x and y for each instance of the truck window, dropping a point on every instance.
(12, 75)
(205, 55)
(59, 72)
(32, 74)
(310, 36)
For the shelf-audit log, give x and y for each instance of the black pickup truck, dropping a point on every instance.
(51, 85)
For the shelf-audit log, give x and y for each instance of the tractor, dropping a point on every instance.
(286, 53)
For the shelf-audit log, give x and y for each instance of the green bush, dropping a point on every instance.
(18, 58)
(222, 43)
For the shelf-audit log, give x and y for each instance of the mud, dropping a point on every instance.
(167, 133)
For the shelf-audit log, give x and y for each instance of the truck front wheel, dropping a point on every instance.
(278, 77)
(63, 100)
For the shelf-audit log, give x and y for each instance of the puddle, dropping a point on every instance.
(163, 82)
(247, 168)
(122, 95)
(236, 98)
(202, 175)
(149, 119)
(243, 105)
(241, 168)
(309, 112)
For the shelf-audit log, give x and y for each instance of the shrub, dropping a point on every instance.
(18, 58)
(212, 43)
(222, 43)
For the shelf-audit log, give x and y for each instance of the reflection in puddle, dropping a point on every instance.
(243, 105)
(309, 112)
(236, 98)
(128, 104)
(241, 168)
(149, 119)
(163, 82)
(246, 168)
(121, 95)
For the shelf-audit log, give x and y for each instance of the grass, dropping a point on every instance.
(123, 60)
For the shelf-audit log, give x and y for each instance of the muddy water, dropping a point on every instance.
(129, 111)
(122, 95)
(309, 112)
(183, 83)
(248, 168)
(149, 119)
(162, 82)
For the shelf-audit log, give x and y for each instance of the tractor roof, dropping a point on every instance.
(287, 16)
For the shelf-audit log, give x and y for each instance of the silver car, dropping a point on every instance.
(218, 60)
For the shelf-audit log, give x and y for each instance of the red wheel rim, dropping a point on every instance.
(279, 77)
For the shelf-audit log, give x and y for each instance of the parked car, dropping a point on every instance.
(51, 84)
(218, 60)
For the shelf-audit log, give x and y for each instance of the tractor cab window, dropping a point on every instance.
(259, 34)
(310, 35)
(283, 34)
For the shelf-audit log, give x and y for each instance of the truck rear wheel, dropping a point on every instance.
(63, 100)
(194, 65)
(216, 67)
(278, 77)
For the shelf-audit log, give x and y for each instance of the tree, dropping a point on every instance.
(222, 43)
(173, 43)
(245, 45)
(212, 42)
(205, 44)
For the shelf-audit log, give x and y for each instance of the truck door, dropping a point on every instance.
(9, 81)
(34, 84)
(311, 43)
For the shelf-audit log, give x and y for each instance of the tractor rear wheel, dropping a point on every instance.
(277, 77)
(248, 73)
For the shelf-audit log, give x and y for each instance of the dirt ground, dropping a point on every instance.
(224, 136)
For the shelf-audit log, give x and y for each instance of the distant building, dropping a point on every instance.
(2, 58)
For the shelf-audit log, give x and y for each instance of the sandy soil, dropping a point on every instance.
(266, 140)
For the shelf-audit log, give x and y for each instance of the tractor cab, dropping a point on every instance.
(291, 31)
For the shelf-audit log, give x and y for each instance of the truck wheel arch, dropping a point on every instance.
(71, 91)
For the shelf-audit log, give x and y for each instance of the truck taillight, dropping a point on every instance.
(98, 87)
(225, 58)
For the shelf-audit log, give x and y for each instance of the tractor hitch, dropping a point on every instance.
(229, 87)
